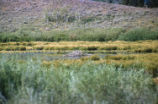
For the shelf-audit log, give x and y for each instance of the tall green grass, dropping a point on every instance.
(139, 34)
(83, 34)
(29, 82)
(63, 35)
(89, 34)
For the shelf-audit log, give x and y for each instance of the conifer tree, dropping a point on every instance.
(139, 3)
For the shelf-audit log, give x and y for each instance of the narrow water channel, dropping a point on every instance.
(62, 55)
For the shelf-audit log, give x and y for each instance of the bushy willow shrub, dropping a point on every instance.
(83, 34)
(29, 82)
(88, 34)
(139, 34)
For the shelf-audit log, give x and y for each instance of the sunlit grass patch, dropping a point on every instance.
(110, 46)
(121, 57)
(148, 61)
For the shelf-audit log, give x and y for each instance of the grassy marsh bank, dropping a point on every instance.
(147, 61)
(125, 78)
(137, 47)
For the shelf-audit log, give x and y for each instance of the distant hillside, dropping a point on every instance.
(45, 15)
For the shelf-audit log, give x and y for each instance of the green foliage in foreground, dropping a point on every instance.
(29, 82)
(90, 34)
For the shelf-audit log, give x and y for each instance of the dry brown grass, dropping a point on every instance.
(139, 46)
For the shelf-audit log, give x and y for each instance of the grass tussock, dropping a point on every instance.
(31, 82)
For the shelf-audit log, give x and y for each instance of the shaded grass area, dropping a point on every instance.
(111, 46)
(31, 82)
(83, 34)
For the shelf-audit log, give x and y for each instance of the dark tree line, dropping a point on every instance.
(152, 3)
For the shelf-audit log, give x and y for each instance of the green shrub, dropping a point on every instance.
(139, 34)
(10, 77)
(61, 37)
(32, 83)
(113, 33)
(6, 37)
(82, 34)
(99, 34)
(62, 14)
(89, 34)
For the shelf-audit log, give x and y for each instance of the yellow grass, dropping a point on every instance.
(139, 46)
(148, 61)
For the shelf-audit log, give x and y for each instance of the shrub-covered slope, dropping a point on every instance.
(45, 15)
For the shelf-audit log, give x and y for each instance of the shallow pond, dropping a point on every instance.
(62, 55)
